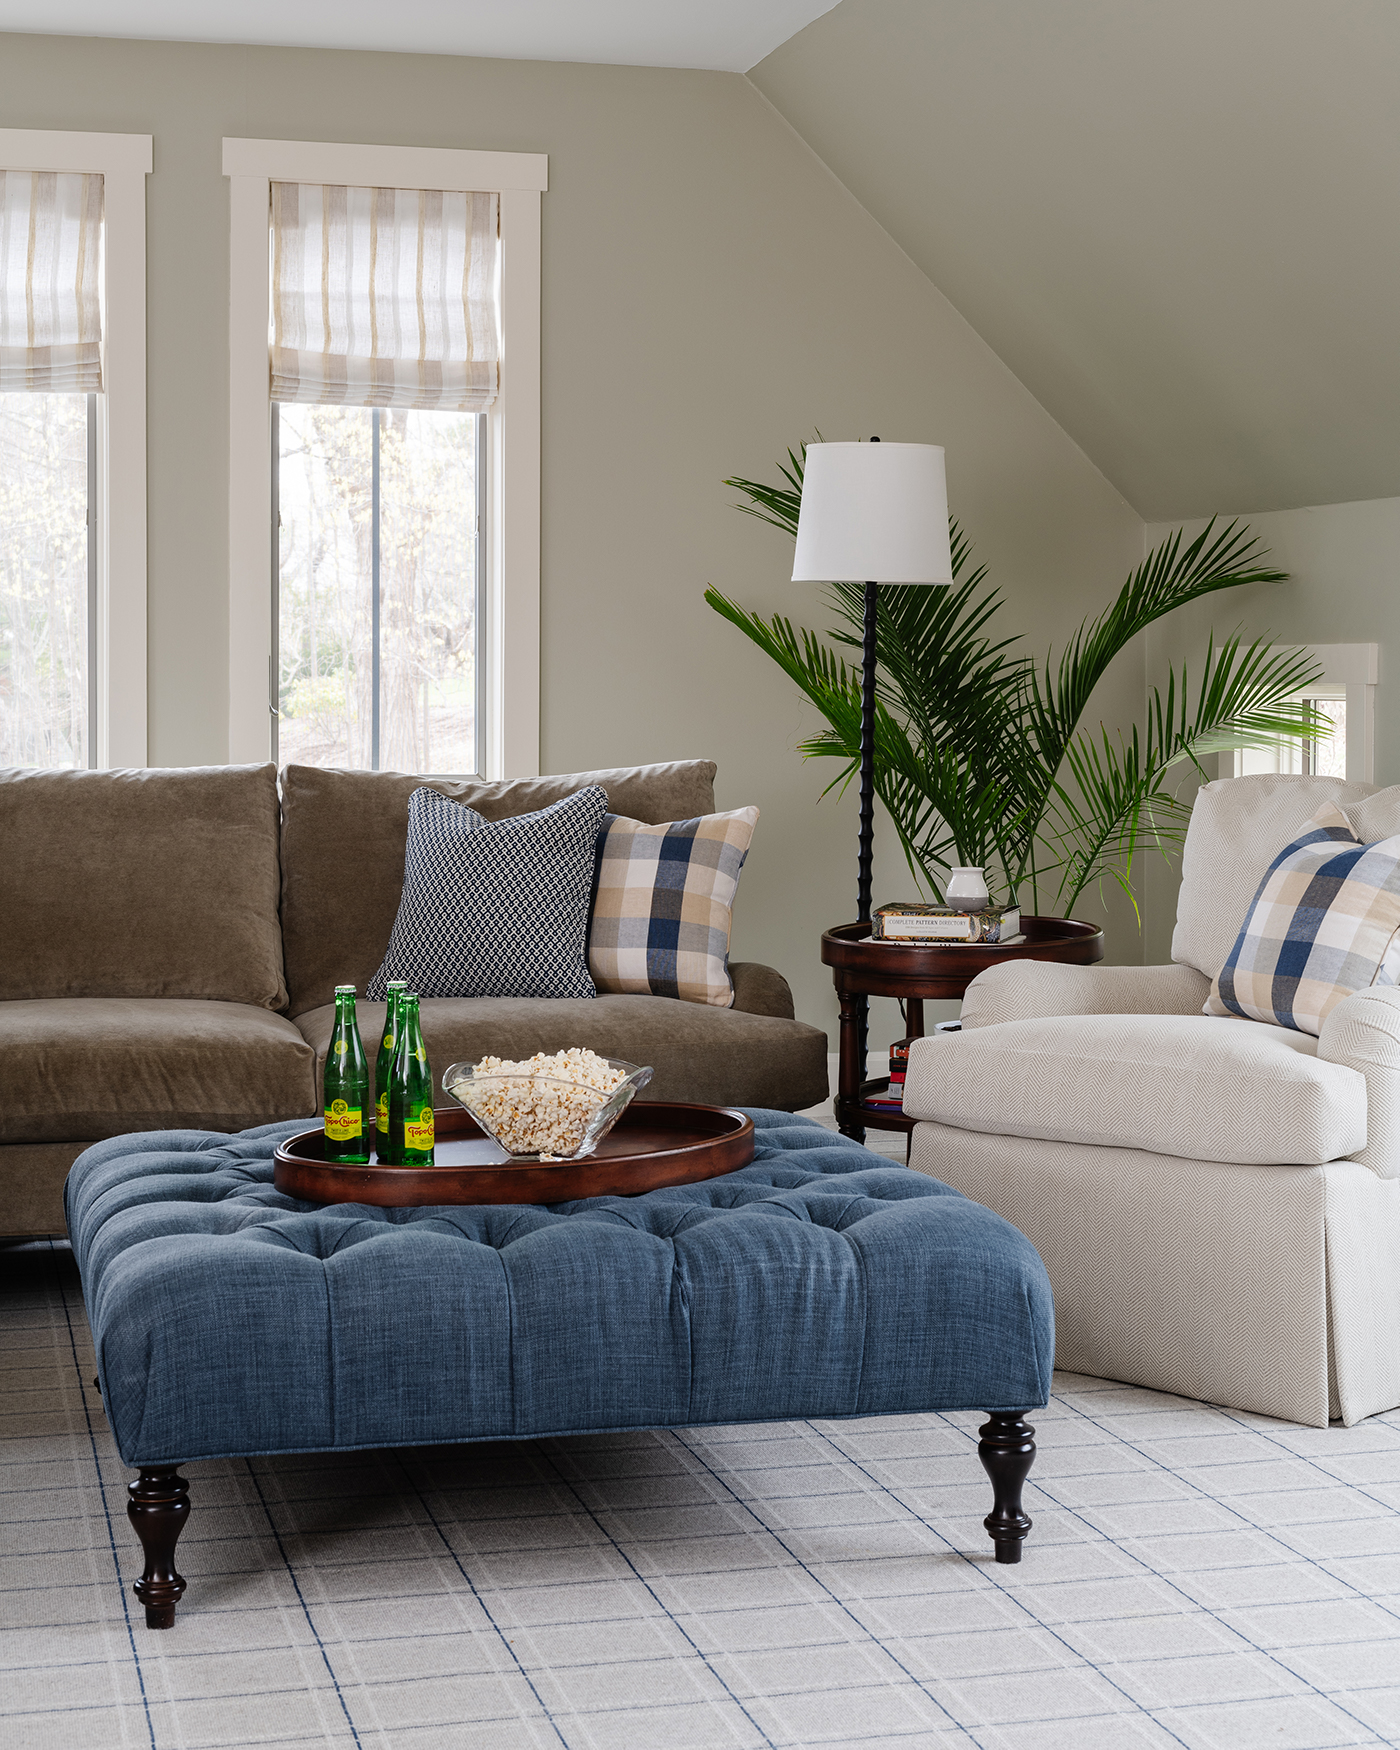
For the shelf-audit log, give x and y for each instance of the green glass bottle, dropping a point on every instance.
(346, 1085)
(383, 1069)
(411, 1091)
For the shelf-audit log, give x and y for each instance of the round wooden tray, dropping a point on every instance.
(654, 1143)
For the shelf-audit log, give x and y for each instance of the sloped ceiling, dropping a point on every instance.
(721, 34)
(1178, 221)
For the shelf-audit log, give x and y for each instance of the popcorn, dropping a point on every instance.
(528, 1108)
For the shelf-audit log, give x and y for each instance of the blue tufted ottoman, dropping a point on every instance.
(820, 1281)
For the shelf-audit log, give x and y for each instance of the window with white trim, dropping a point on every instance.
(72, 444)
(378, 520)
(48, 576)
(385, 356)
(1344, 698)
(401, 484)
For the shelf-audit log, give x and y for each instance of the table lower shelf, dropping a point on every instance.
(853, 1113)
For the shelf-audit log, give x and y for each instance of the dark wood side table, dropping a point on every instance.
(915, 975)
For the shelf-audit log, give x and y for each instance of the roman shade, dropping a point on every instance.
(384, 297)
(50, 280)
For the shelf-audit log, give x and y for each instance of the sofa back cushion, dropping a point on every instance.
(343, 840)
(145, 883)
(1238, 826)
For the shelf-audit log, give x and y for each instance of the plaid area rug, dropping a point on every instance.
(1196, 1577)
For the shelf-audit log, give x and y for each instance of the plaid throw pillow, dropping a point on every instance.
(1324, 923)
(661, 908)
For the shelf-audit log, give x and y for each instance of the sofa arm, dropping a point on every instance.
(1024, 990)
(759, 990)
(1363, 1032)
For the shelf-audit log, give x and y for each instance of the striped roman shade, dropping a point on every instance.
(50, 282)
(384, 297)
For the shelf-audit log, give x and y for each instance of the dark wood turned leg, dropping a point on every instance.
(1006, 1446)
(158, 1504)
(850, 1073)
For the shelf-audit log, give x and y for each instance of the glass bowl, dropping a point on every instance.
(523, 1112)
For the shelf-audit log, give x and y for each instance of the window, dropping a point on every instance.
(384, 343)
(72, 448)
(402, 628)
(48, 579)
(380, 583)
(1323, 756)
(50, 376)
(1345, 697)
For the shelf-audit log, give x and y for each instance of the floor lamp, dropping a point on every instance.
(872, 513)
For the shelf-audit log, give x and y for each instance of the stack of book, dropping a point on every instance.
(891, 1099)
(913, 924)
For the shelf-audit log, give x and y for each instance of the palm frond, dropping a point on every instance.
(1120, 796)
(979, 753)
(1167, 579)
(776, 505)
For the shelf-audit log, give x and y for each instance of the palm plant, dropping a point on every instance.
(979, 754)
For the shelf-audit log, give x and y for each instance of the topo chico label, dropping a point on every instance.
(418, 1130)
(381, 1113)
(344, 1122)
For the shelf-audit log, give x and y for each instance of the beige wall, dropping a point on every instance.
(711, 294)
(1172, 220)
(1343, 562)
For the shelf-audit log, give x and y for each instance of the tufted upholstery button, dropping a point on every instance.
(818, 1281)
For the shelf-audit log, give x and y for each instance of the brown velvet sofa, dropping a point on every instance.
(170, 941)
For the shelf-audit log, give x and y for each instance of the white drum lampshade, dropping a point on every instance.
(873, 513)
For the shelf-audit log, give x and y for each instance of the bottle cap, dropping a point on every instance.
(342, 990)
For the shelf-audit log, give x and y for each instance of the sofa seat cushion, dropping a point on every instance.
(89, 1067)
(1203, 1088)
(717, 1056)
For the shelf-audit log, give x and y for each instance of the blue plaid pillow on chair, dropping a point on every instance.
(1324, 923)
(662, 906)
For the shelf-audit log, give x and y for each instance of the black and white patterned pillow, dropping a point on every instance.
(495, 908)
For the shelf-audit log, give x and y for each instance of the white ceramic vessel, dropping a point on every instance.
(967, 890)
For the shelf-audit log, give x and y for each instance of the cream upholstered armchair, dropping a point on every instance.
(1217, 1200)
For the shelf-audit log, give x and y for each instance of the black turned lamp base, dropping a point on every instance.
(158, 1504)
(1006, 1446)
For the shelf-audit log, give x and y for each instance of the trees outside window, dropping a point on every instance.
(378, 615)
(47, 541)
